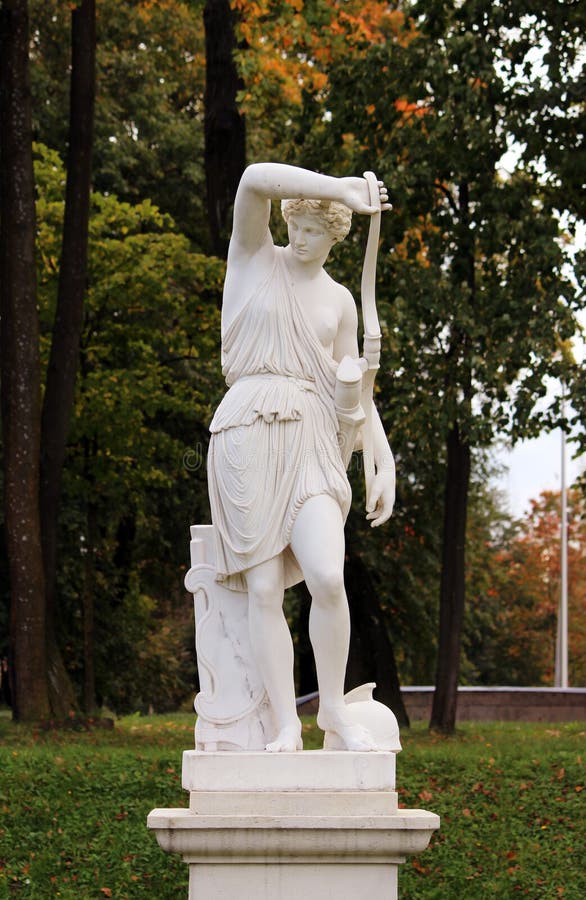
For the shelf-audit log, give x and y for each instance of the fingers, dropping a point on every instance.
(379, 513)
(360, 204)
(379, 506)
(379, 517)
(383, 196)
(373, 500)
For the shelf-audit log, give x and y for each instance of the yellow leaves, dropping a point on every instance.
(414, 244)
(320, 80)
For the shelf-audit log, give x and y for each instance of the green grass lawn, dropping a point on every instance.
(73, 807)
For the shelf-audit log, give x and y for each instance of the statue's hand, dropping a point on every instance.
(356, 196)
(381, 501)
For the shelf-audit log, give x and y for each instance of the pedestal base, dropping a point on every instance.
(292, 826)
(292, 882)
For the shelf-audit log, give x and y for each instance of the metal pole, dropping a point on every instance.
(562, 662)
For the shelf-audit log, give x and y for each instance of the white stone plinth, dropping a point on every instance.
(265, 826)
(312, 770)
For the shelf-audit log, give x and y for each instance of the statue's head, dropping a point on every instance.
(334, 217)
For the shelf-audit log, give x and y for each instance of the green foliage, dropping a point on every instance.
(476, 285)
(148, 380)
(478, 289)
(509, 796)
(479, 294)
(149, 103)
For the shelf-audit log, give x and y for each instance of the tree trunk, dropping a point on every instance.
(371, 652)
(20, 371)
(64, 358)
(89, 669)
(452, 589)
(453, 577)
(225, 135)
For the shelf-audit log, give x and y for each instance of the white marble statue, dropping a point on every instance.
(278, 488)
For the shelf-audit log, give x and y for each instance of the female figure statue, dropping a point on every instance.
(278, 488)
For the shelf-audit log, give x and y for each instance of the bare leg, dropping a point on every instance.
(273, 649)
(317, 540)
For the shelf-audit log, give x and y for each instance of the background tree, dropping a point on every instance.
(134, 475)
(529, 600)
(20, 372)
(149, 134)
(474, 302)
(225, 135)
(479, 295)
(66, 332)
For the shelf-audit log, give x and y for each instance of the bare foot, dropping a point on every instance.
(288, 740)
(350, 736)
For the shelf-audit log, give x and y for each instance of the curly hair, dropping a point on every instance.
(335, 217)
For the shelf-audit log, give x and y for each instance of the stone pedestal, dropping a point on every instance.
(292, 826)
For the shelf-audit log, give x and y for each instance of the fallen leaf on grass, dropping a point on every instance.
(423, 870)
(107, 892)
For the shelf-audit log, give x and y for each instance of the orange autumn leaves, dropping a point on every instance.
(287, 48)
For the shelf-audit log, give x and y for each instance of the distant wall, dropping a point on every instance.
(504, 704)
(494, 704)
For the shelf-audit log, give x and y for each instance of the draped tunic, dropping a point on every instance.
(274, 437)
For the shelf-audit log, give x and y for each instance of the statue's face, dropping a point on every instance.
(308, 238)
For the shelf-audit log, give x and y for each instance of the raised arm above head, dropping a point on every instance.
(263, 182)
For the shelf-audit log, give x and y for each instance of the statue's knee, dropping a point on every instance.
(328, 587)
(265, 594)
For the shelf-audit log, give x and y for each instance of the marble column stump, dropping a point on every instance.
(286, 826)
